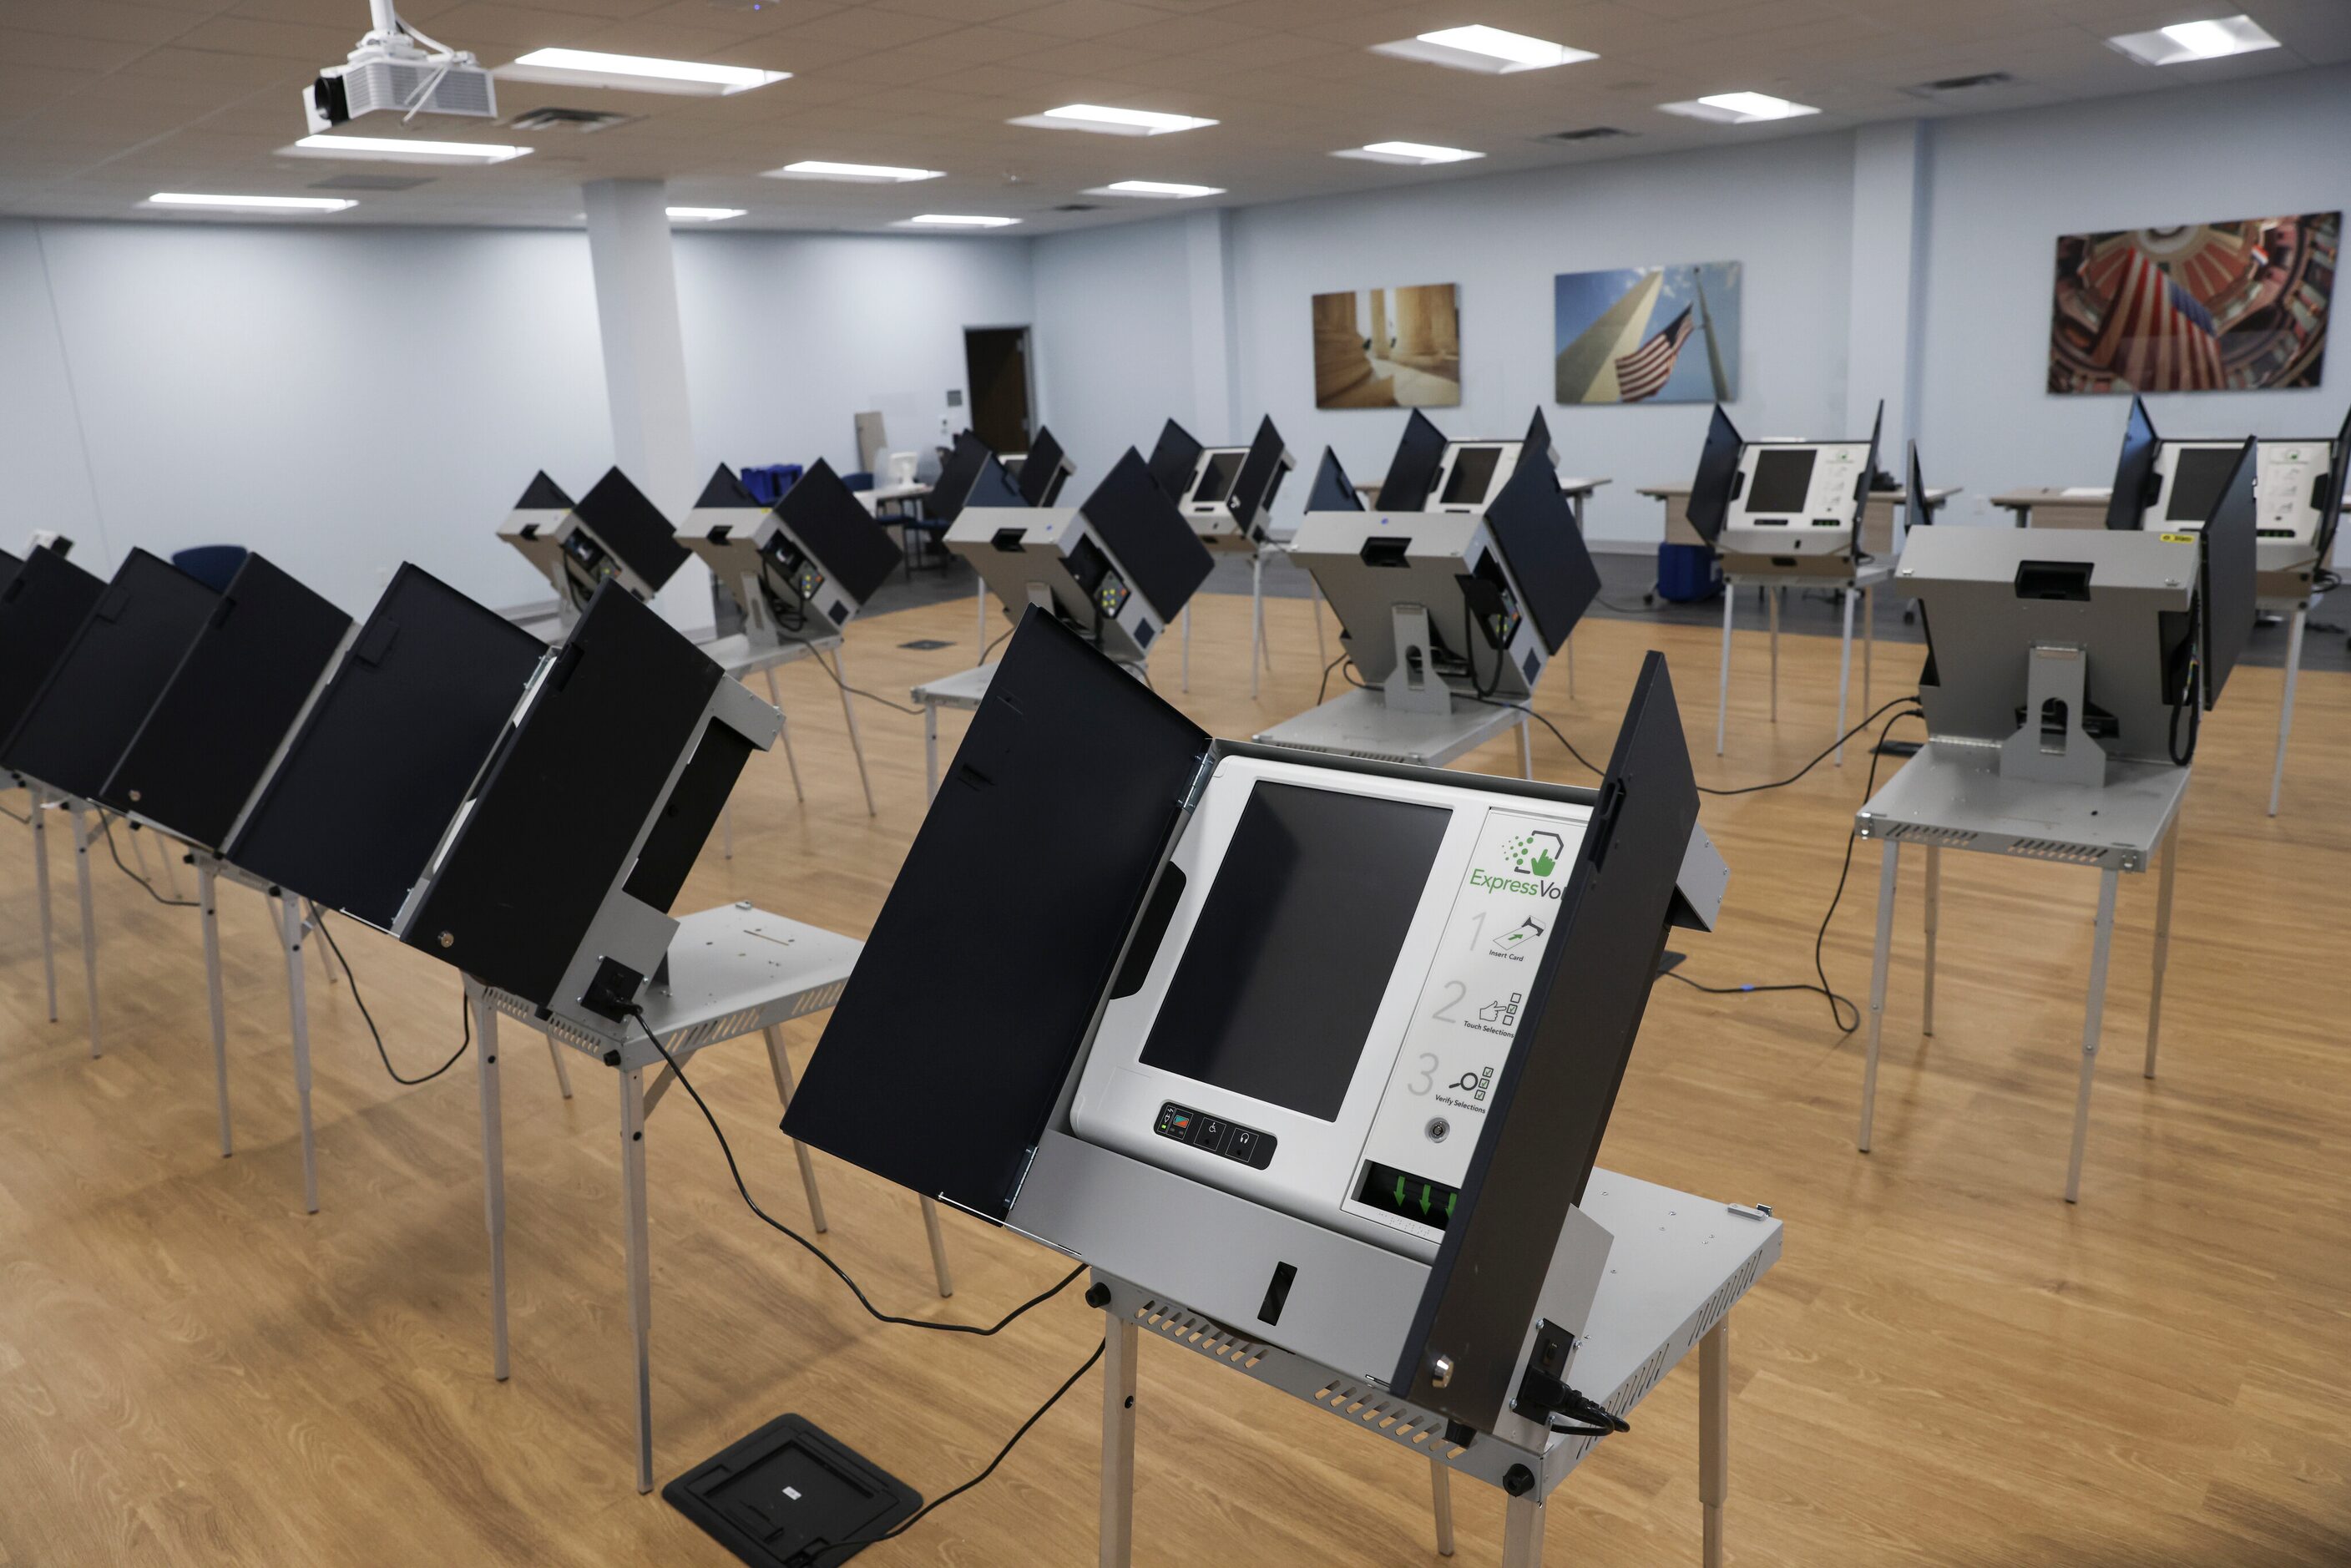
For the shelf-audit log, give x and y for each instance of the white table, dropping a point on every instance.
(1955, 798)
(733, 971)
(962, 691)
(1359, 722)
(1678, 1264)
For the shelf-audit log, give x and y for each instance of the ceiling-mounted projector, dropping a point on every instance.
(398, 68)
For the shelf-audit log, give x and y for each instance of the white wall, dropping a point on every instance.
(788, 336)
(2004, 188)
(1114, 342)
(44, 482)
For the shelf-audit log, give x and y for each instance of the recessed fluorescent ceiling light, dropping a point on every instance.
(702, 214)
(2208, 40)
(401, 149)
(1408, 152)
(249, 204)
(586, 68)
(953, 220)
(852, 173)
(1739, 108)
(1489, 50)
(1163, 188)
(1112, 121)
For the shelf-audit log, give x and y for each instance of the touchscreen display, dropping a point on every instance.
(1473, 470)
(2197, 478)
(1783, 478)
(1277, 990)
(1217, 479)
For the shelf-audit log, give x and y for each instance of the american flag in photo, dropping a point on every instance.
(2157, 337)
(1643, 373)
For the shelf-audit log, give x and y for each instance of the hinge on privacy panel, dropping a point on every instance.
(1199, 780)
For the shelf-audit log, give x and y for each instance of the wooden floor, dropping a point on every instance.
(1951, 1365)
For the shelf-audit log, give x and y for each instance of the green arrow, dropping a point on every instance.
(1424, 1198)
(1450, 1198)
(1399, 1192)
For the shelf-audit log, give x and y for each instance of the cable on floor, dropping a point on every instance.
(465, 1011)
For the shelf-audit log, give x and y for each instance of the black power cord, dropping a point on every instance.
(823, 664)
(818, 1253)
(465, 1012)
(106, 826)
(1592, 767)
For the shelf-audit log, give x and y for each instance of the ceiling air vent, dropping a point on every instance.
(555, 118)
(1962, 87)
(373, 183)
(1078, 207)
(1588, 133)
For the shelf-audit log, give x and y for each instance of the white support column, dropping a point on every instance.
(1886, 283)
(644, 363)
(1215, 395)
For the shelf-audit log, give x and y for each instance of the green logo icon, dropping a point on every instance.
(1536, 853)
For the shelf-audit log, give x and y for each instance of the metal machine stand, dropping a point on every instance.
(34, 808)
(77, 812)
(734, 970)
(740, 658)
(2298, 607)
(1861, 585)
(1260, 651)
(1359, 722)
(1949, 797)
(1678, 1265)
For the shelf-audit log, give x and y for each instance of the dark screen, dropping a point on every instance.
(2133, 470)
(1473, 471)
(1277, 989)
(2198, 477)
(1783, 478)
(1216, 482)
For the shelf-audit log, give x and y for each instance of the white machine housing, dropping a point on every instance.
(1207, 499)
(1801, 498)
(1472, 473)
(2290, 485)
(1395, 581)
(1050, 556)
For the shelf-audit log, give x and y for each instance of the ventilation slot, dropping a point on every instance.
(1919, 834)
(1588, 133)
(1204, 1334)
(1719, 1303)
(1406, 1424)
(2057, 850)
(553, 117)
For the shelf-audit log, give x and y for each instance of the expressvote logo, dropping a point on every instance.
(1533, 856)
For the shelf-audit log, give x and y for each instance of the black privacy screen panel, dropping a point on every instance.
(827, 517)
(561, 803)
(940, 1065)
(1041, 470)
(1172, 459)
(1147, 536)
(1536, 530)
(10, 565)
(389, 750)
(98, 696)
(1414, 467)
(210, 736)
(40, 610)
(1536, 1147)
(632, 527)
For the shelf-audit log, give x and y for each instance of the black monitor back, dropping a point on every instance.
(1041, 471)
(1717, 470)
(1173, 460)
(389, 750)
(2228, 546)
(10, 565)
(543, 494)
(209, 738)
(1413, 470)
(40, 610)
(2134, 470)
(1920, 510)
(846, 540)
(972, 477)
(1333, 491)
(1147, 536)
(1535, 528)
(1536, 447)
(1251, 496)
(2331, 493)
(632, 527)
(725, 489)
(76, 727)
(558, 807)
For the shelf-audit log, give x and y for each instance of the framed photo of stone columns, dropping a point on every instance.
(1388, 348)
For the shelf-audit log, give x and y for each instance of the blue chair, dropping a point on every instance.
(212, 564)
(768, 485)
(857, 481)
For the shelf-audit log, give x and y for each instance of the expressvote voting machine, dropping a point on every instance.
(614, 533)
(799, 570)
(543, 806)
(1782, 507)
(1322, 1048)
(1118, 568)
(1225, 493)
(41, 609)
(2165, 484)
(1453, 591)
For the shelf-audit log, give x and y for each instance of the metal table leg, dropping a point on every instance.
(493, 1169)
(1187, 682)
(1934, 909)
(1314, 608)
(315, 921)
(1885, 879)
(1118, 1441)
(290, 924)
(1771, 597)
(1440, 1492)
(2285, 709)
(938, 1248)
(2162, 941)
(981, 603)
(1257, 622)
(209, 914)
(1522, 1531)
(562, 1072)
(784, 733)
(1868, 640)
(930, 751)
(39, 813)
(641, 1291)
(1714, 1435)
(2098, 953)
(1722, 675)
(849, 712)
(1526, 748)
(779, 1066)
(1845, 671)
(88, 922)
(727, 830)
